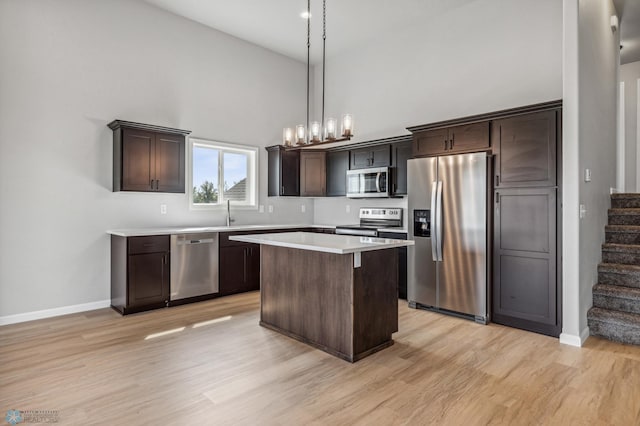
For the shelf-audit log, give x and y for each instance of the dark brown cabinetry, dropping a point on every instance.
(313, 173)
(451, 140)
(400, 153)
(337, 166)
(239, 265)
(284, 172)
(525, 150)
(374, 156)
(148, 158)
(139, 273)
(526, 290)
(402, 262)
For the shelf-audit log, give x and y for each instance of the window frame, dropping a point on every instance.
(253, 171)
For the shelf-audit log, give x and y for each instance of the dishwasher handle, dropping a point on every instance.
(185, 242)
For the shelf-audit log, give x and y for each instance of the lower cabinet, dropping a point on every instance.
(140, 273)
(402, 262)
(239, 268)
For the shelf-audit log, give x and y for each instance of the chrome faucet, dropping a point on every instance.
(229, 220)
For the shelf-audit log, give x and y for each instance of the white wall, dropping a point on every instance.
(630, 75)
(595, 102)
(69, 67)
(484, 56)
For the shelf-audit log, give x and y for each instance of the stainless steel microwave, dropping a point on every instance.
(368, 183)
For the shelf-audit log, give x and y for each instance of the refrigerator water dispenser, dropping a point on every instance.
(422, 223)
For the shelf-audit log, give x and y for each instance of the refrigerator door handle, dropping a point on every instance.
(439, 220)
(434, 243)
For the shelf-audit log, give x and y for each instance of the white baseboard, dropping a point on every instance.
(574, 340)
(48, 313)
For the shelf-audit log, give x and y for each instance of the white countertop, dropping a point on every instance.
(172, 230)
(329, 243)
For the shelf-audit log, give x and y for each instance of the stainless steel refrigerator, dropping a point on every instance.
(447, 267)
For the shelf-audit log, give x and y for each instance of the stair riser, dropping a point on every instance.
(616, 303)
(624, 279)
(622, 237)
(624, 219)
(615, 331)
(625, 203)
(621, 258)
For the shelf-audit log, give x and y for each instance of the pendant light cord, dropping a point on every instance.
(308, 62)
(324, 44)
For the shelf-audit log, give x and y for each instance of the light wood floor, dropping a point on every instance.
(97, 368)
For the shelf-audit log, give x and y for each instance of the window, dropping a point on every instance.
(221, 172)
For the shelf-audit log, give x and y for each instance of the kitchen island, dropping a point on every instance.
(337, 293)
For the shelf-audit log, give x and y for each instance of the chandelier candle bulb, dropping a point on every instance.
(287, 136)
(315, 132)
(330, 131)
(300, 134)
(347, 125)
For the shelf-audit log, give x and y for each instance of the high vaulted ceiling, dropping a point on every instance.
(277, 25)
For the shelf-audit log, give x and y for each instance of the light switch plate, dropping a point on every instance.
(270, 209)
(587, 175)
(583, 211)
(163, 209)
(303, 208)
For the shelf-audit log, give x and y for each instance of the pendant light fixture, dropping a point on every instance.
(324, 131)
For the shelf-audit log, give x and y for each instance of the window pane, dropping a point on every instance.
(205, 175)
(235, 176)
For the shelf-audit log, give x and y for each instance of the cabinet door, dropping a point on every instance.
(337, 166)
(381, 156)
(431, 142)
(401, 152)
(273, 171)
(312, 173)
(525, 291)
(169, 163)
(290, 173)
(360, 158)
(470, 137)
(239, 269)
(525, 150)
(148, 279)
(138, 164)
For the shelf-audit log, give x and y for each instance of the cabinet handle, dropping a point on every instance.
(244, 269)
(157, 184)
(282, 191)
(453, 138)
(445, 144)
(152, 183)
(497, 180)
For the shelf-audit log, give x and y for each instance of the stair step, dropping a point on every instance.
(624, 217)
(621, 327)
(617, 298)
(623, 201)
(622, 234)
(617, 274)
(627, 254)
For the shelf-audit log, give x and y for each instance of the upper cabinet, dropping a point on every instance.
(373, 156)
(148, 158)
(313, 173)
(525, 150)
(337, 166)
(400, 153)
(451, 140)
(284, 172)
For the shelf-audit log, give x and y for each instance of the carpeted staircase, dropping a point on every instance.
(615, 314)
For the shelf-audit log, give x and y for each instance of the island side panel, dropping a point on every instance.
(375, 301)
(307, 295)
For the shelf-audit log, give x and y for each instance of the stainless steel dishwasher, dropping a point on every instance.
(194, 265)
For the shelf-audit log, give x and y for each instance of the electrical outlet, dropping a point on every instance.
(303, 208)
(348, 208)
(583, 211)
(261, 208)
(270, 209)
(163, 209)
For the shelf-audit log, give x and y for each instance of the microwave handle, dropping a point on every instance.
(378, 176)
